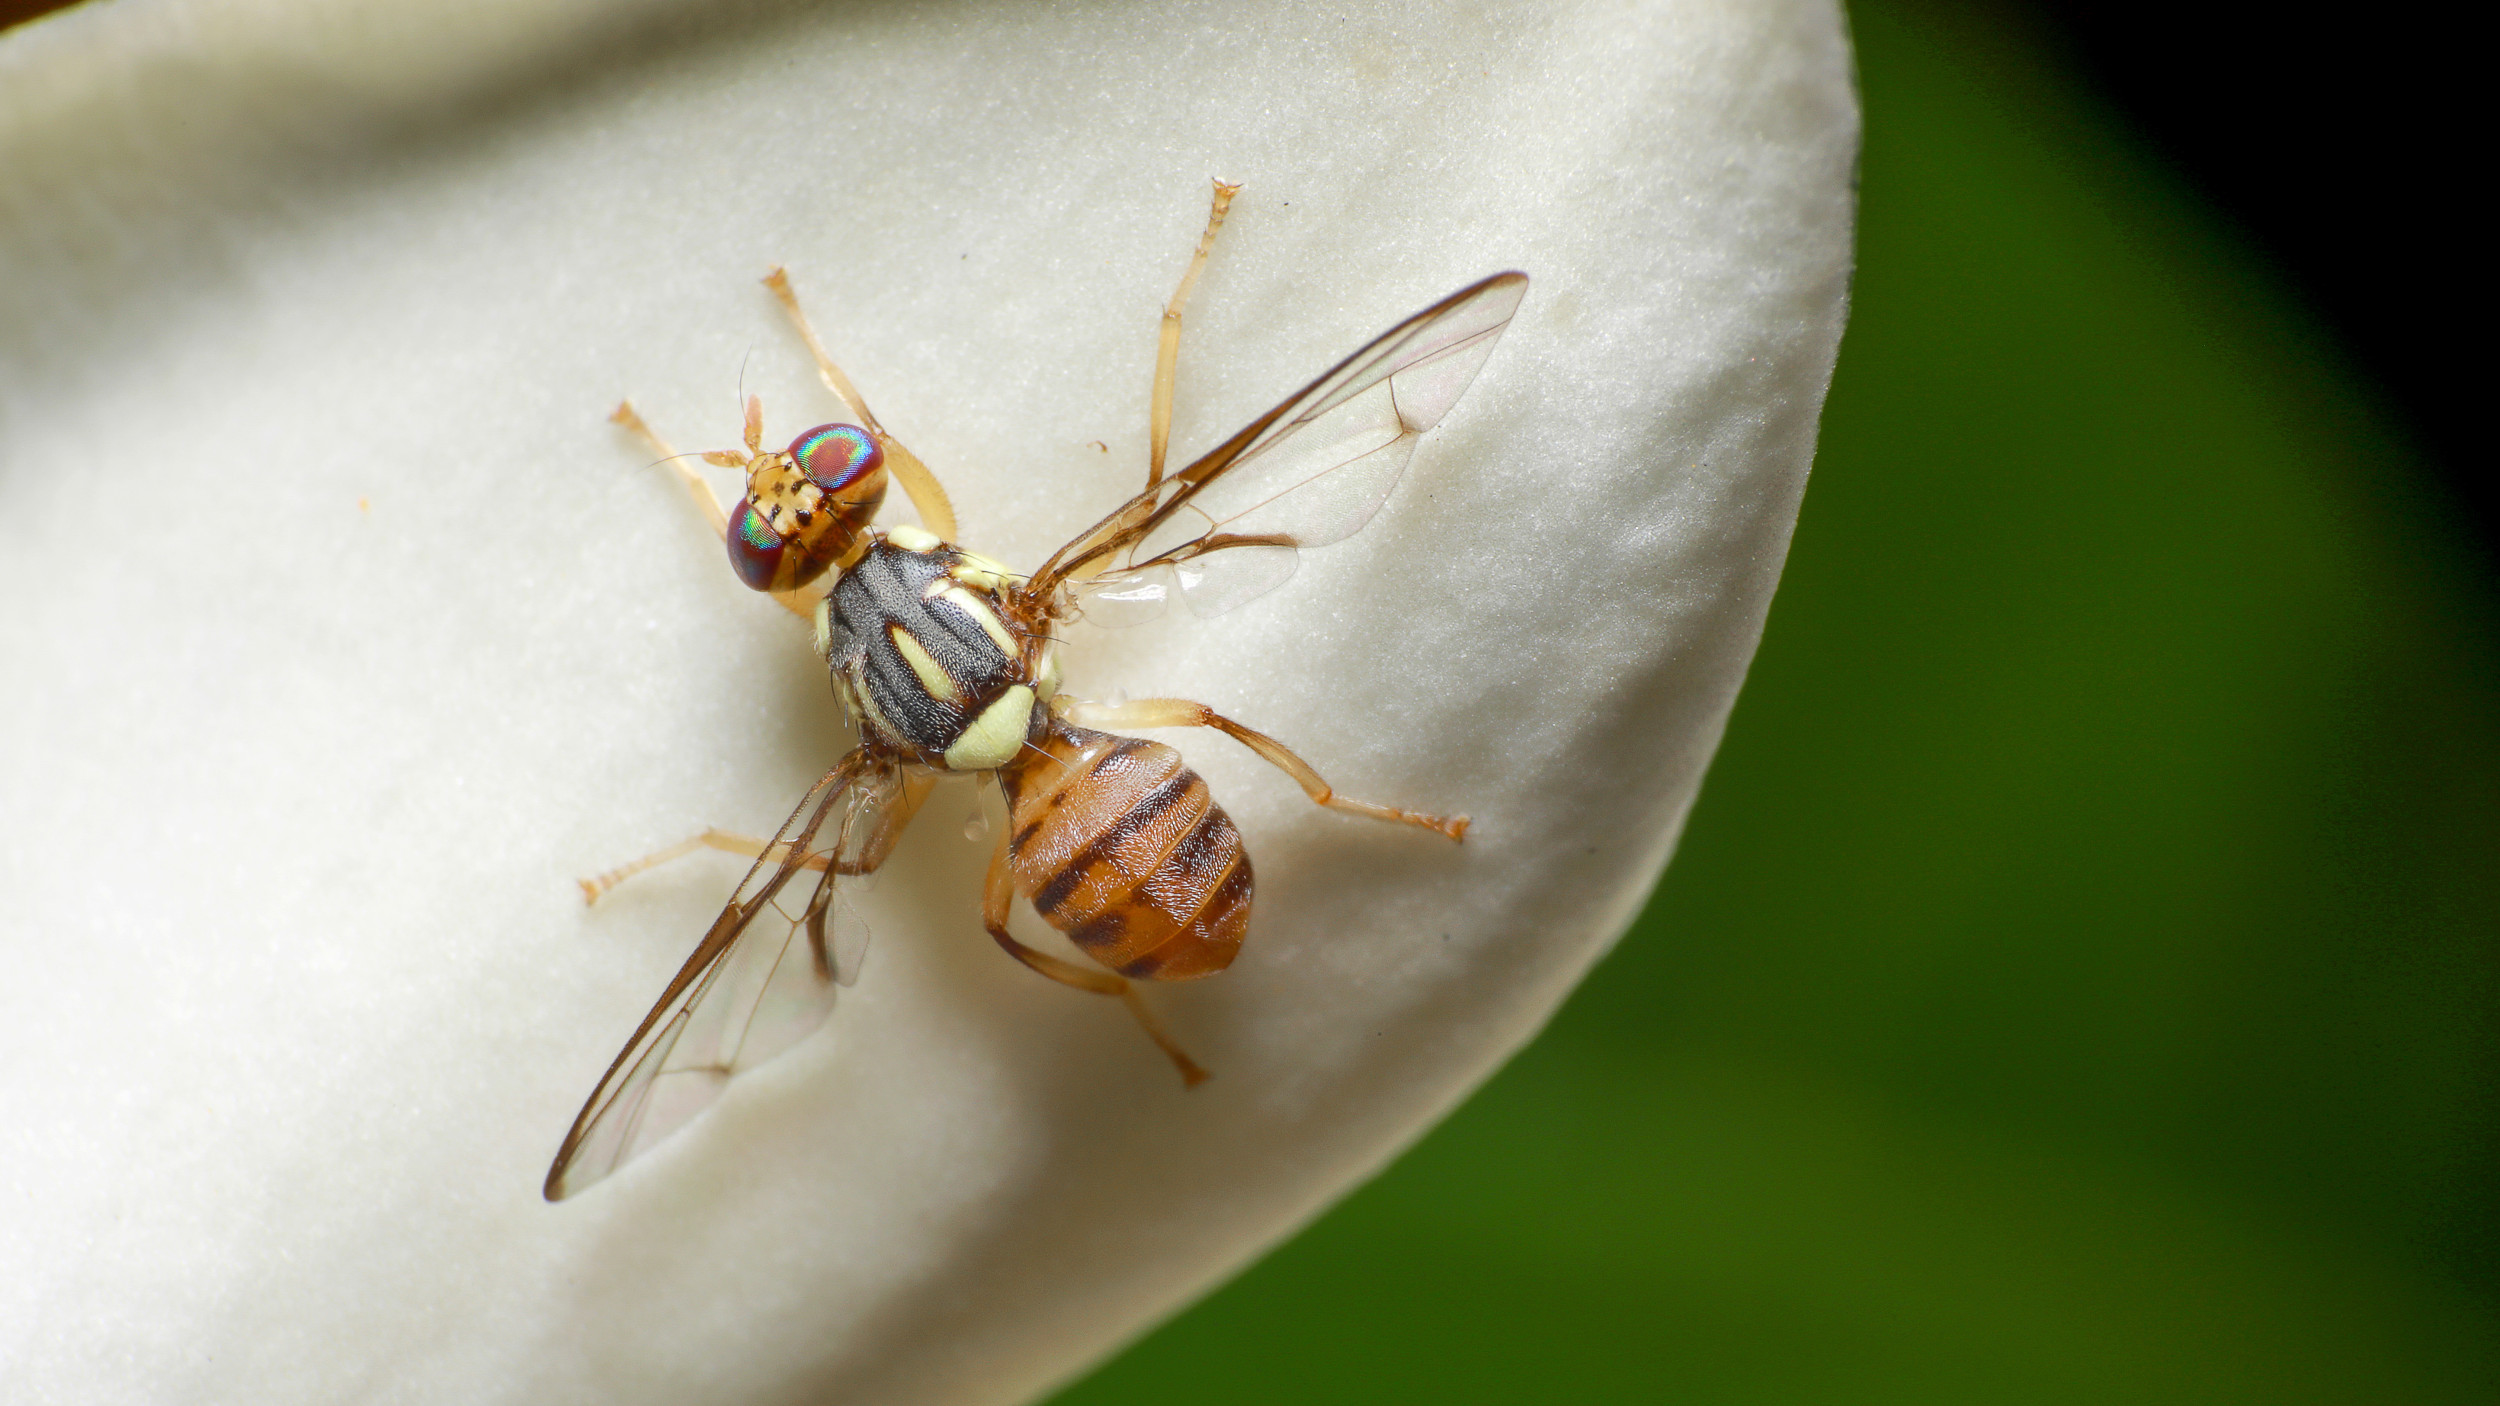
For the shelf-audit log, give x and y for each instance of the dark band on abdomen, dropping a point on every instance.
(1120, 845)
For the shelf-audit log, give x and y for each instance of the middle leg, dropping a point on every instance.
(1168, 347)
(872, 850)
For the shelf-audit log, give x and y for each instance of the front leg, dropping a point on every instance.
(797, 603)
(928, 497)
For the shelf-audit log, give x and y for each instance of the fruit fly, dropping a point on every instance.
(947, 661)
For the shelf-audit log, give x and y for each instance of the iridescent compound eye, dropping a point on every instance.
(755, 549)
(836, 456)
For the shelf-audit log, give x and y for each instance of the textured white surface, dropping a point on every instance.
(344, 633)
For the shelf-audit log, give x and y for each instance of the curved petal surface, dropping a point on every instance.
(346, 633)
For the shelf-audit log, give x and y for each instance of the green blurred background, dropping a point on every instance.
(2077, 982)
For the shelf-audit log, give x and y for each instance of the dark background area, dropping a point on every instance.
(2334, 147)
(2078, 981)
(2340, 152)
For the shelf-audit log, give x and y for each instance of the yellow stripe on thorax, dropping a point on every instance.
(932, 678)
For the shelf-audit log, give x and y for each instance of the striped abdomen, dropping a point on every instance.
(1120, 846)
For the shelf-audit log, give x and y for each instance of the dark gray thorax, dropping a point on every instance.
(892, 590)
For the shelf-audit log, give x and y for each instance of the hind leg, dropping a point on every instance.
(998, 891)
(1180, 712)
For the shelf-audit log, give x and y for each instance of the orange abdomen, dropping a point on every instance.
(1120, 845)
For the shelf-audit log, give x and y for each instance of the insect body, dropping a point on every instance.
(947, 661)
(1122, 847)
(925, 656)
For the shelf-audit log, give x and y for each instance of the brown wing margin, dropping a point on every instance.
(618, 1122)
(1489, 300)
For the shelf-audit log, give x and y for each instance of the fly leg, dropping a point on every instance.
(998, 890)
(928, 498)
(872, 850)
(1180, 712)
(803, 606)
(1168, 349)
(713, 513)
(594, 889)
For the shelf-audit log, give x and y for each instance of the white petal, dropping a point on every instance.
(345, 633)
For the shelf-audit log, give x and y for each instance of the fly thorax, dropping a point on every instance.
(922, 653)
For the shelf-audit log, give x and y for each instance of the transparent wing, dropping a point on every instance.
(762, 979)
(1310, 472)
